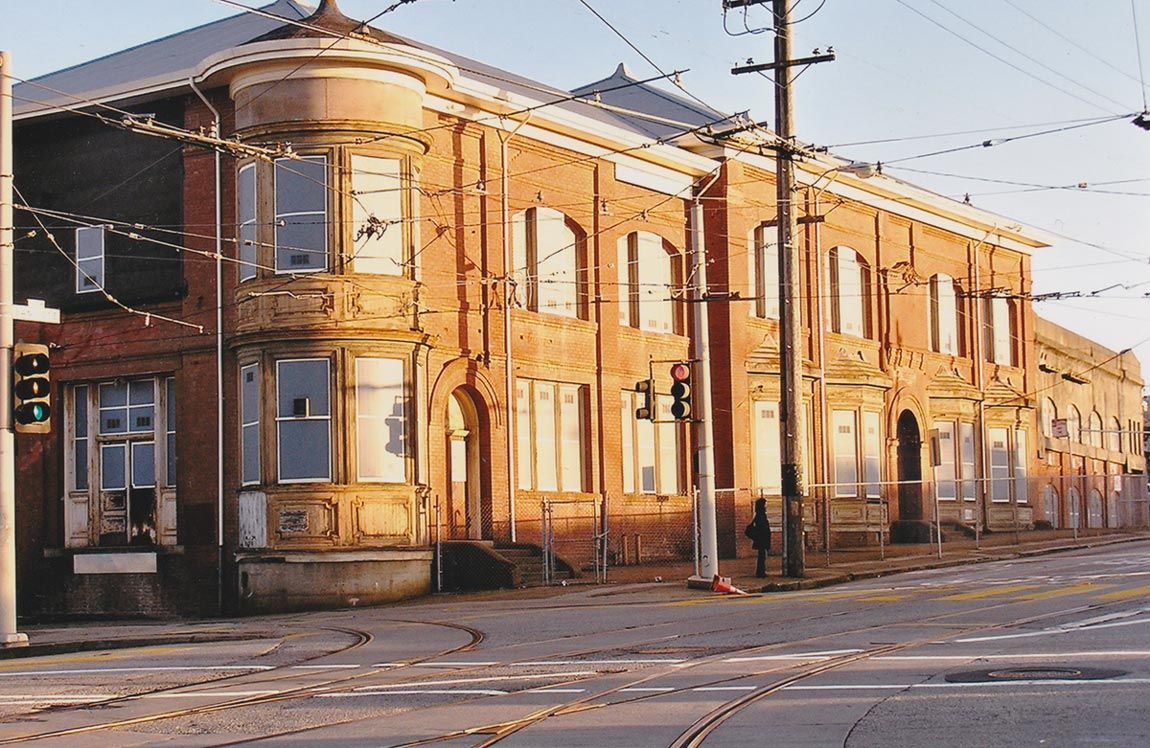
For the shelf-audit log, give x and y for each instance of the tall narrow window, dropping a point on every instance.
(89, 259)
(80, 436)
(668, 437)
(248, 236)
(999, 465)
(998, 330)
(627, 419)
(303, 420)
(946, 487)
(170, 430)
(546, 257)
(943, 315)
(1074, 424)
(1114, 436)
(651, 456)
(377, 215)
(250, 423)
(845, 445)
(650, 278)
(1046, 415)
(872, 455)
(301, 214)
(381, 431)
(1094, 432)
(966, 454)
(552, 436)
(763, 271)
(1021, 481)
(848, 292)
(767, 446)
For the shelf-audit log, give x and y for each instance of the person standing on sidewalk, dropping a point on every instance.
(759, 531)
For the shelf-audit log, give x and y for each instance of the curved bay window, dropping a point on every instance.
(330, 211)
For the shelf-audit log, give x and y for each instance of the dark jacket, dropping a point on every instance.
(759, 531)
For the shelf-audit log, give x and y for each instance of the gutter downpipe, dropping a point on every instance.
(508, 379)
(820, 336)
(219, 355)
(979, 383)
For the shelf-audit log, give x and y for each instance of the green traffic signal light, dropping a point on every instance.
(31, 388)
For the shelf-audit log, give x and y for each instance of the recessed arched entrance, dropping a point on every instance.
(909, 467)
(464, 518)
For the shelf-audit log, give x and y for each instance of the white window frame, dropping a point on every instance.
(1000, 463)
(646, 283)
(396, 472)
(546, 259)
(84, 260)
(763, 272)
(551, 470)
(651, 447)
(946, 472)
(767, 444)
(845, 449)
(943, 315)
(848, 283)
(999, 331)
(280, 420)
(968, 488)
(377, 200)
(320, 215)
(871, 443)
(250, 437)
(247, 226)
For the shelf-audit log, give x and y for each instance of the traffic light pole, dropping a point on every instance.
(9, 637)
(701, 393)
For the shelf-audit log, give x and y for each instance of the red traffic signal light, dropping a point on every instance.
(681, 391)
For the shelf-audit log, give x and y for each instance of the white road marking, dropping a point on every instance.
(485, 679)
(1033, 655)
(1069, 629)
(991, 684)
(205, 694)
(390, 664)
(557, 690)
(416, 692)
(99, 670)
(826, 654)
(454, 664)
(725, 688)
(556, 663)
(325, 667)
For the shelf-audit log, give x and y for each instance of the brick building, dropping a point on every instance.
(437, 284)
(1091, 447)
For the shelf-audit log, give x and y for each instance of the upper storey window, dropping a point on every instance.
(377, 215)
(301, 214)
(248, 236)
(943, 315)
(850, 282)
(646, 280)
(998, 330)
(763, 271)
(546, 258)
(89, 259)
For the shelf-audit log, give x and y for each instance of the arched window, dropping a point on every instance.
(1047, 412)
(648, 276)
(1075, 500)
(850, 286)
(547, 253)
(1114, 436)
(1074, 423)
(1050, 505)
(943, 315)
(1094, 509)
(1094, 430)
(763, 271)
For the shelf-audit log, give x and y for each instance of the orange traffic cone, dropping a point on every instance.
(723, 584)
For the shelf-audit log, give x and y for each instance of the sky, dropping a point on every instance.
(907, 72)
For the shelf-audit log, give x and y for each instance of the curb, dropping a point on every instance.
(91, 645)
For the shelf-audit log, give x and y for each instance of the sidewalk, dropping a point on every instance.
(845, 565)
(865, 563)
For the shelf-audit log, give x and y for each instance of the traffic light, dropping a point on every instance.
(646, 411)
(31, 389)
(681, 391)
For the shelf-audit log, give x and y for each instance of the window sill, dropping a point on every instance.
(159, 550)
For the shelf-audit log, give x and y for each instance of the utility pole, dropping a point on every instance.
(9, 637)
(792, 421)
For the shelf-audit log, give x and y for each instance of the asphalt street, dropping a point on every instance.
(1051, 650)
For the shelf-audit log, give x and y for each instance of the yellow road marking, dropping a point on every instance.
(1125, 594)
(886, 599)
(991, 592)
(1073, 589)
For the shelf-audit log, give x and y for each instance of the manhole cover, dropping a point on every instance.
(1056, 672)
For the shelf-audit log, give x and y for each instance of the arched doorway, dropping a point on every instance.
(1050, 506)
(909, 467)
(463, 518)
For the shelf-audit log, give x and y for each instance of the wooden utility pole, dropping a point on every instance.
(792, 421)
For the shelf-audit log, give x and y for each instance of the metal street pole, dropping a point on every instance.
(705, 436)
(9, 637)
(792, 422)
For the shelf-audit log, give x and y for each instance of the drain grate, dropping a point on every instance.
(1048, 672)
